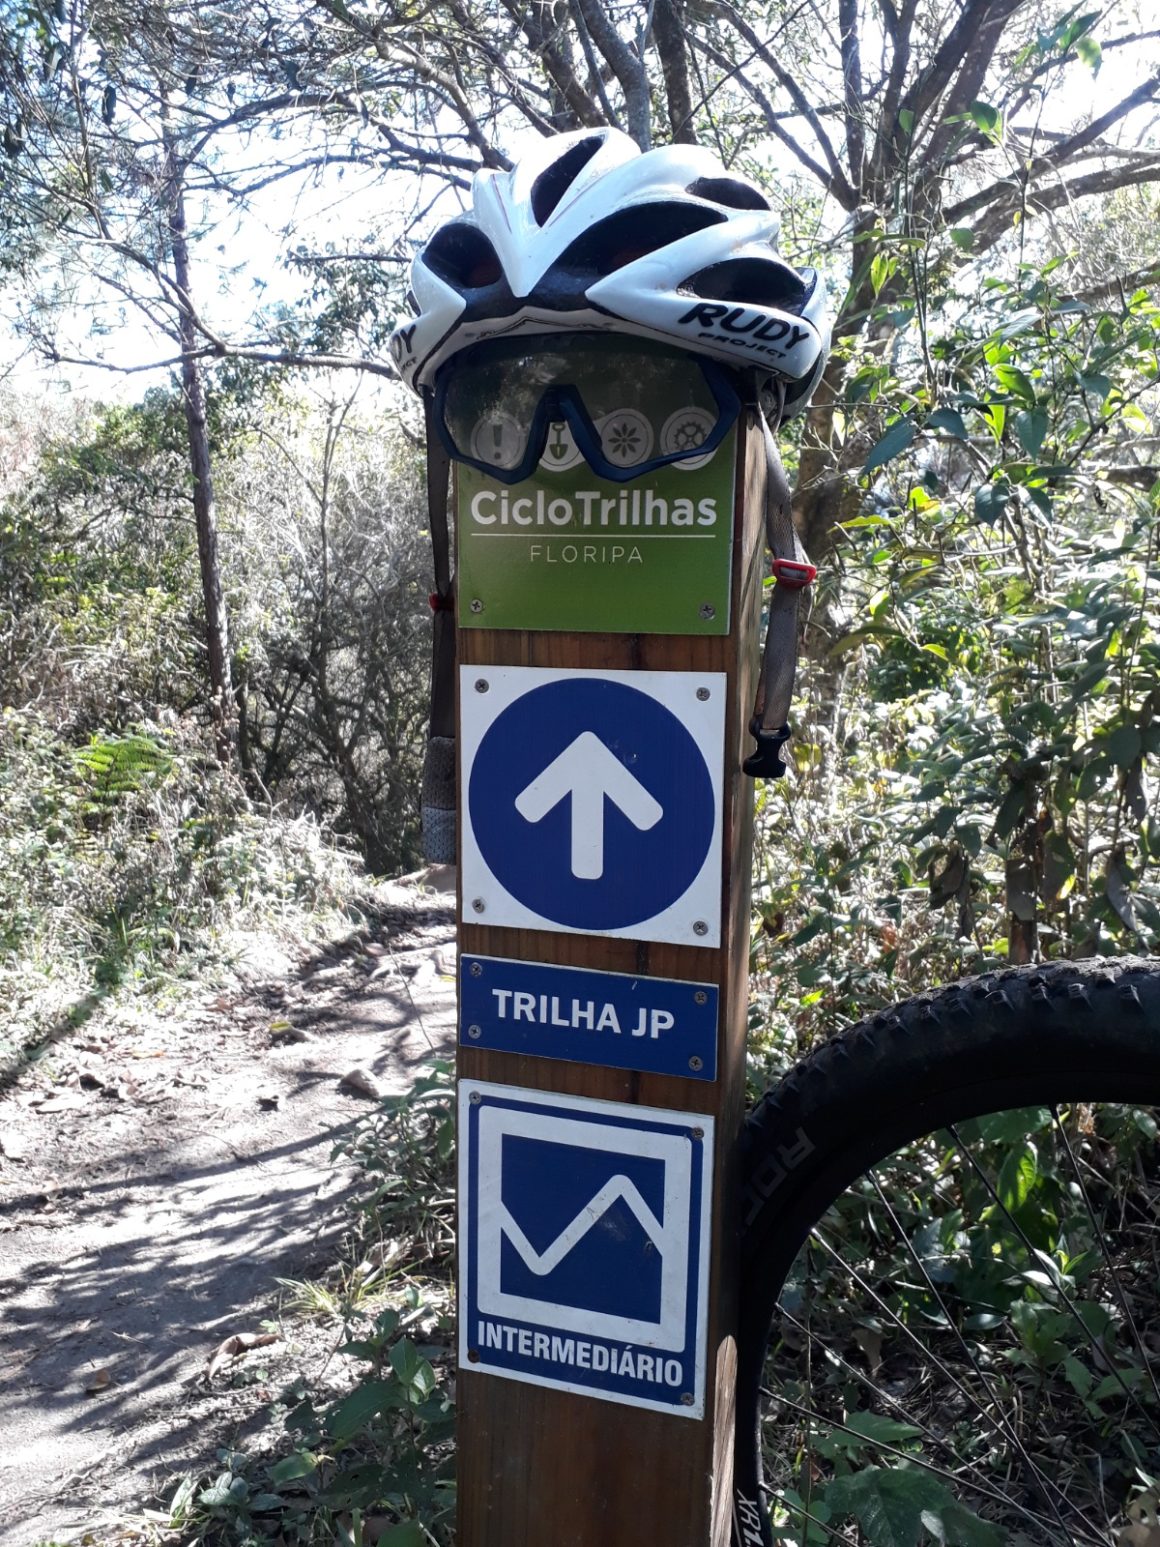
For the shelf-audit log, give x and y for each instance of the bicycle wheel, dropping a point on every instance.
(951, 1273)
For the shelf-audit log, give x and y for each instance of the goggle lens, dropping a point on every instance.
(505, 409)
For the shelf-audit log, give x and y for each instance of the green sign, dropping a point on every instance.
(565, 550)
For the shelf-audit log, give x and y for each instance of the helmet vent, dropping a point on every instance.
(754, 282)
(730, 191)
(632, 233)
(462, 256)
(554, 181)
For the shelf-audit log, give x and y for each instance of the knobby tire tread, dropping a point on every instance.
(1020, 1037)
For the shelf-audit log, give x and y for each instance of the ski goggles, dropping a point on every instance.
(507, 407)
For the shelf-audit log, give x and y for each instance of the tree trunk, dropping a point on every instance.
(204, 514)
(824, 494)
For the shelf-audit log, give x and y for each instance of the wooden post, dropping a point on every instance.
(541, 1466)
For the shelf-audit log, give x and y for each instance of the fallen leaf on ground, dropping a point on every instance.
(233, 1347)
(99, 1380)
(66, 1101)
(870, 1342)
(14, 1146)
(1143, 1529)
(363, 1082)
(284, 1032)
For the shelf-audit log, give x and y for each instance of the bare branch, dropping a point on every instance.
(852, 90)
(997, 220)
(900, 27)
(669, 26)
(1147, 91)
(1058, 62)
(956, 47)
(967, 85)
(837, 181)
(1122, 284)
(595, 72)
(545, 38)
(625, 65)
(773, 120)
(1061, 153)
(291, 357)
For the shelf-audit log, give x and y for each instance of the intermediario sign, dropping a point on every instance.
(584, 1245)
(566, 550)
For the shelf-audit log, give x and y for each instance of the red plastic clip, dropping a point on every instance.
(439, 603)
(794, 573)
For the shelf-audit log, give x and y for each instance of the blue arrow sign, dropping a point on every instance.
(587, 773)
(590, 800)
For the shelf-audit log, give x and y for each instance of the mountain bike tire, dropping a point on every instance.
(1024, 1038)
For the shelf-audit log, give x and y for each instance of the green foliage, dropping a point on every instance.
(968, 1291)
(124, 862)
(975, 777)
(127, 850)
(406, 1152)
(323, 517)
(902, 1507)
(984, 694)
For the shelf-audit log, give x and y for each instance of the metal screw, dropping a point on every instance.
(702, 694)
(481, 684)
(695, 1063)
(476, 1098)
(700, 997)
(477, 969)
(696, 1133)
(473, 1355)
(686, 1399)
(474, 1032)
(708, 611)
(479, 905)
(700, 927)
(476, 604)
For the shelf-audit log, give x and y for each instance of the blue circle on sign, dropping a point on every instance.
(591, 803)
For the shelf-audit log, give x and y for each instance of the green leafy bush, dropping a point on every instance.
(983, 694)
(125, 863)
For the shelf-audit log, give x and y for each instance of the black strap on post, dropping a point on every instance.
(438, 797)
(793, 572)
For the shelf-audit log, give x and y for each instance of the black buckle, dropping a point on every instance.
(766, 762)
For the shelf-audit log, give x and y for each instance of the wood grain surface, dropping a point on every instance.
(545, 1468)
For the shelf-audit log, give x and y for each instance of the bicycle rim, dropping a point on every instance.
(950, 1326)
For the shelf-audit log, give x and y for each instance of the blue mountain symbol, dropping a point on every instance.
(608, 1258)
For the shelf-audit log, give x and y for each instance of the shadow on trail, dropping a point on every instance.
(15, 1060)
(178, 1173)
(156, 1285)
(120, 1281)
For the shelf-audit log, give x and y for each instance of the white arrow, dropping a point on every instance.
(587, 771)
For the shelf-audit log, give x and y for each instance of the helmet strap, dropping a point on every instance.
(438, 798)
(793, 574)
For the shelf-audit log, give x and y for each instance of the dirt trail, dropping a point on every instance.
(152, 1193)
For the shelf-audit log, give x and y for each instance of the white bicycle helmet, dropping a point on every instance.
(589, 234)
